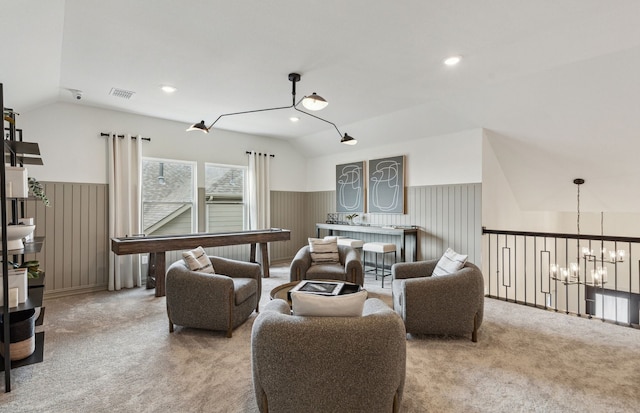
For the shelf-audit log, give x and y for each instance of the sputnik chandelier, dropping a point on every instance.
(312, 102)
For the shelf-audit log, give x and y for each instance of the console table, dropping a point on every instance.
(397, 231)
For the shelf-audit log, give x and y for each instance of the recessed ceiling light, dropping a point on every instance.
(452, 60)
(168, 89)
(294, 119)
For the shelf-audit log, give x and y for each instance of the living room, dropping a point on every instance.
(544, 94)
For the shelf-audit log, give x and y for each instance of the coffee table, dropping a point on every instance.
(281, 291)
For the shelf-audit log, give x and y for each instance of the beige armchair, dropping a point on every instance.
(447, 304)
(349, 268)
(328, 364)
(220, 301)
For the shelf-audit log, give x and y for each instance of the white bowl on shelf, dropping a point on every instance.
(15, 235)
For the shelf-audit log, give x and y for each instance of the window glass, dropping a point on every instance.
(224, 198)
(168, 197)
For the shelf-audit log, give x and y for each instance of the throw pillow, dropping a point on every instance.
(449, 263)
(324, 251)
(347, 305)
(197, 260)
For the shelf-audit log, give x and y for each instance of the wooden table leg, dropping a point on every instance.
(252, 254)
(159, 270)
(265, 259)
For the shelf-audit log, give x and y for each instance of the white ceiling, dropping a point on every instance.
(556, 82)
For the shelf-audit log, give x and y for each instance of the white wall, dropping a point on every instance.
(440, 160)
(73, 151)
(502, 211)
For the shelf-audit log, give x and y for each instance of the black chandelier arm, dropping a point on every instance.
(247, 111)
(318, 117)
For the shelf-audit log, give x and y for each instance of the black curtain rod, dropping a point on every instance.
(122, 136)
(250, 152)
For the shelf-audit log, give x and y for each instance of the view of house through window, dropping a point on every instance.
(168, 197)
(224, 198)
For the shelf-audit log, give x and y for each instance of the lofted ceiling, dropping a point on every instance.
(555, 83)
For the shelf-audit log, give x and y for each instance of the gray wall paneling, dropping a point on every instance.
(76, 249)
(75, 252)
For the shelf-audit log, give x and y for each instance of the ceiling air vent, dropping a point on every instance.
(121, 93)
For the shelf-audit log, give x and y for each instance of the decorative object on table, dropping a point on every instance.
(33, 268)
(15, 235)
(16, 182)
(13, 297)
(27, 221)
(386, 185)
(350, 184)
(350, 218)
(37, 190)
(330, 288)
(21, 334)
(332, 218)
(17, 279)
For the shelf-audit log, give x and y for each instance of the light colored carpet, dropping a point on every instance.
(112, 352)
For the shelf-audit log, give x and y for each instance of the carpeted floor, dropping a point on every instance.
(112, 352)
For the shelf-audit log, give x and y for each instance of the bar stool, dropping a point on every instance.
(380, 248)
(356, 244)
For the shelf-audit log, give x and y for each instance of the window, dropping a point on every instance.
(168, 197)
(224, 198)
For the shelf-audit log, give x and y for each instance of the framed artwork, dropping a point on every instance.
(386, 185)
(350, 179)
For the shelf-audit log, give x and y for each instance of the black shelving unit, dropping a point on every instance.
(16, 152)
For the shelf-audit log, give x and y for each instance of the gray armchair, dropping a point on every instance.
(328, 364)
(349, 268)
(220, 301)
(448, 304)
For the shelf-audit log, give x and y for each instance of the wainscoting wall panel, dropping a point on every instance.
(76, 249)
(288, 211)
(75, 226)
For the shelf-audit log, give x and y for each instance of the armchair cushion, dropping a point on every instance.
(449, 263)
(197, 260)
(244, 288)
(324, 250)
(348, 305)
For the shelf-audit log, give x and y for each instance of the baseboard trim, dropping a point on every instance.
(65, 292)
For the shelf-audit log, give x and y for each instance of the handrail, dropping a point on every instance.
(562, 235)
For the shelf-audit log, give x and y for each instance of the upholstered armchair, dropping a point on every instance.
(349, 267)
(220, 301)
(446, 304)
(328, 364)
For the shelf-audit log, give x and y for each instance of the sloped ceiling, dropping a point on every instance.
(554, 82)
